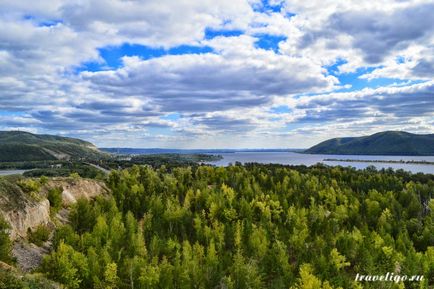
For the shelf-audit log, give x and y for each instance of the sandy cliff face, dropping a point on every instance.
(32, 213)
(76, 189)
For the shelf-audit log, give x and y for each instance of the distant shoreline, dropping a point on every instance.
(380, 161)
(146, 151)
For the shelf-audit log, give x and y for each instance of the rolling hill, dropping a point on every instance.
(23, 146)
(382, 143)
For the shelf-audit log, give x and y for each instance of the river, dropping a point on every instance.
(292, 158)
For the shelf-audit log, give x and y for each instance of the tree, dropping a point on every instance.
(82, 216)
(55, 198)
(308, 280)
(66, 266)
(246, 226)
(110, 276)
(5, 242)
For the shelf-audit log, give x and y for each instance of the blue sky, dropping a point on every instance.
(216, 74)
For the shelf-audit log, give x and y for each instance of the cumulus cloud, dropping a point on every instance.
(363, 32)
(239, 76)
(228, 90)
(377, 34)
(383, 105)
(163, 23)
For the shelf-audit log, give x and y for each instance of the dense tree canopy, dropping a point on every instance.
(252, 226)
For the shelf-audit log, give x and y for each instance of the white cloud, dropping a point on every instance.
(227, 92)
(163, 23)
(361, 32)
(239, 76)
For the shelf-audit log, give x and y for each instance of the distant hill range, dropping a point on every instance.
(23, 146)
(382, 143)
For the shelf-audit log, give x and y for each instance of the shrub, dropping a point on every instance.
(5, 242)
(43, 180)
(29, 185)
(40, 235)
(55, 198)
(10, 281)
(75, 176)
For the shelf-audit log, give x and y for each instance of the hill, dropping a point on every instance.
(382, 143)
(23, 146)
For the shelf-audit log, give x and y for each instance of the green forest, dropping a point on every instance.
(248, 226)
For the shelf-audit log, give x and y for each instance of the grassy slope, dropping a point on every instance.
(11, 194)
(383, 143)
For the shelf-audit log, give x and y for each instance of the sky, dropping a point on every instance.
(216, 73)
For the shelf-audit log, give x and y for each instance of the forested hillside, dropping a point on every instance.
(23, 146)
(383, 143)
(253, 226)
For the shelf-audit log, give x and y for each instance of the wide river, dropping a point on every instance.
(291, 158)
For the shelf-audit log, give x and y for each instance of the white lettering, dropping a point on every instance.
(388, 277)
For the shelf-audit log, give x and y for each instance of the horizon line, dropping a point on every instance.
(159, 148)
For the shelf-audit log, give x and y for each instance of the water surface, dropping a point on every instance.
(11, 172)
(292, 158)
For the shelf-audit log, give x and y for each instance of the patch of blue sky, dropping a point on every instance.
(269, 42)
(189, 49)
(112, 55)
(400, 59)
(11, 113)
(334, 68)
(43, 23)
(212, 33)
(353, 80)
(172, 116)
(49, 23)
(282, 109)
(358, 83)
(266, 6)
